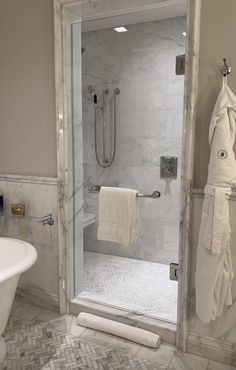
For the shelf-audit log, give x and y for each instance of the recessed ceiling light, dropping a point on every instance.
(184, 33)
(120, 29)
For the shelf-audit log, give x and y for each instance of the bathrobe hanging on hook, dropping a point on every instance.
(214, 272)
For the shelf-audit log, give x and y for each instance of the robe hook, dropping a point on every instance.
(225, 69)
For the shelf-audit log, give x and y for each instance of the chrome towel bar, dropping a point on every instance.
(155, 195)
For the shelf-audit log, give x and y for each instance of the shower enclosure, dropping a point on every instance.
(132, 104)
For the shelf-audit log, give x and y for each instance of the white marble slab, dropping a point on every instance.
(165, 329)
(149, 125)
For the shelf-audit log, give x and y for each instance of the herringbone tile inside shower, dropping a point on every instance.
(130, 284)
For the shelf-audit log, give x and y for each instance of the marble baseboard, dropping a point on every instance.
(166, 330)
(211, 348)
(37, 297)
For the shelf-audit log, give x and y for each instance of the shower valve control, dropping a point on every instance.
(168, 168)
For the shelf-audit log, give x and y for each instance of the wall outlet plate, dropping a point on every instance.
(168, 168)
(174, 271)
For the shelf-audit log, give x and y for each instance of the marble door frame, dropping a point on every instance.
(67, 12)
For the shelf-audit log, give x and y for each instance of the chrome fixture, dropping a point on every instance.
(155, 195)
(116, 91)
(91, 89)
(47, 220)
(168, 167)
(106, 91)
(225, 69)
(105, 162)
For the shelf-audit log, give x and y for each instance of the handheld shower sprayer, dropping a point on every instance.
(101, 105)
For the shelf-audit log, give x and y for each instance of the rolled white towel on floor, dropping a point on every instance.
(132, 333)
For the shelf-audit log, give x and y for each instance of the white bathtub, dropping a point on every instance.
(16, 256)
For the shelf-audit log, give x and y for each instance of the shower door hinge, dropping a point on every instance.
(180, 65)
(174, 271)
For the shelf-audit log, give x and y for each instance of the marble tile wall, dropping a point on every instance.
(40, 198)
(227, 329)
(141, 62)
(94, 7)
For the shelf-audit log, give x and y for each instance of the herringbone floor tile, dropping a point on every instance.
(131, 284)
(41, 347)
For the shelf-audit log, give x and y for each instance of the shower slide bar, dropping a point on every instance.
(155, 195)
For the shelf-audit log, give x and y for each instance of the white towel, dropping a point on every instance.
(214, 232)
(118, 215)
(137, 335)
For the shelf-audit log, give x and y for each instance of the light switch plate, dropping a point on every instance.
(168, 168)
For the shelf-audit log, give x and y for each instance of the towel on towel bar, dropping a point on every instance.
(118, 215)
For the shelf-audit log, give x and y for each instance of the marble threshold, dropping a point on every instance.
(165, 329)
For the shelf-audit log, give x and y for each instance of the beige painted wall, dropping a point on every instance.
(217, 39)
(218, 30)
(27, 101)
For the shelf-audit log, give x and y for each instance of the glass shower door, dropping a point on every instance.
(77, 160)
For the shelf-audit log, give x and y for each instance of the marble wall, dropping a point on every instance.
(40, 283)
(141, 63)
(104, 7)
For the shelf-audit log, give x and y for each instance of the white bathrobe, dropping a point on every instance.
(214, 272)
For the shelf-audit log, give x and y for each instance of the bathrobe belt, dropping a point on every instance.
(215, 229)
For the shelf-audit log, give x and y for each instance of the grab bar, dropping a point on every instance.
(155, 195)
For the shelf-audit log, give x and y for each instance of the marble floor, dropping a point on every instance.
(38, 339)
(130, 284)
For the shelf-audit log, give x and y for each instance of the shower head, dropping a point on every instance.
(83, 50)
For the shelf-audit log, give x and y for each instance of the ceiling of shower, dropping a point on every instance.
(174, 9)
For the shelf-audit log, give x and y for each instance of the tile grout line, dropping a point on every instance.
(170, 360)
(38, 314)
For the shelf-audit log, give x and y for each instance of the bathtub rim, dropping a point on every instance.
(24, 264)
